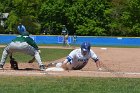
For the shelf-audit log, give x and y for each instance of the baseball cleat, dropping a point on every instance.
(42, 67)
(1, 67)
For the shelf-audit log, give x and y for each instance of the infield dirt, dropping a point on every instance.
(118, 62)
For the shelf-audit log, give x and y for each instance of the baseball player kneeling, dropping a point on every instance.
(24, 44)
(77, 59)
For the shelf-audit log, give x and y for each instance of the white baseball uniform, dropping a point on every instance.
(78, 61)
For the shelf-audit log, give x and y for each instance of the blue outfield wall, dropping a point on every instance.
(94, 40)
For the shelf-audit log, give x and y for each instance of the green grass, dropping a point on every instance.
(68, 85)
(46, 55)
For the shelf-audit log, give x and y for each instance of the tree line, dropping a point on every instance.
(83, 17)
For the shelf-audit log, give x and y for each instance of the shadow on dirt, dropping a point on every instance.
(28, 69)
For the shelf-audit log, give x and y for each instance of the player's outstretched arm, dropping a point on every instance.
(66, 64)
(98, 64)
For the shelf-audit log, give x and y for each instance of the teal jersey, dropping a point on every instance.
(26, 39)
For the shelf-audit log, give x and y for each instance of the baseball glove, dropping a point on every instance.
(32, 60)
(14, 64)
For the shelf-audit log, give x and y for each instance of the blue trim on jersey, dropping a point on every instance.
(69, 59)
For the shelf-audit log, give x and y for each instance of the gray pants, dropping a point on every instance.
(22, 47)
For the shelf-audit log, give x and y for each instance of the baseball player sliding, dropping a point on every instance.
(77, 59)
(24, 44)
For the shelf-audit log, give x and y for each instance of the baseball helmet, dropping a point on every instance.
(85, 46)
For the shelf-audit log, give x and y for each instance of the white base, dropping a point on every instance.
(55, 69)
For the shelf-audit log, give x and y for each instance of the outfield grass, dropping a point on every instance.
(14, 84)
